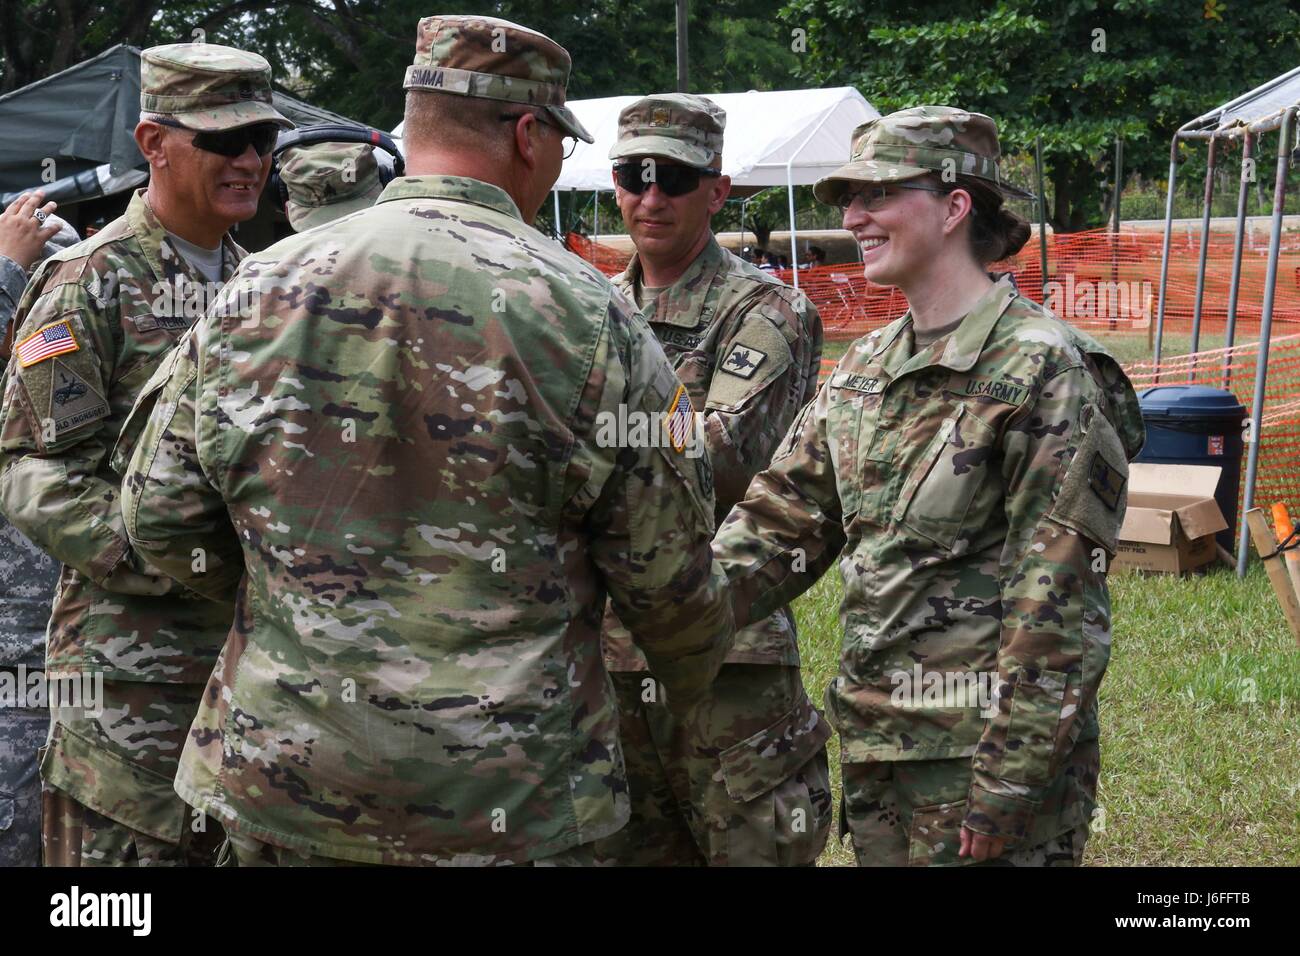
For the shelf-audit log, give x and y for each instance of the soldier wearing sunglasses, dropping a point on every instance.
(741, 778)
(93, 325)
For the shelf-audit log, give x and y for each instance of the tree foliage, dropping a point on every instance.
(1077, 73)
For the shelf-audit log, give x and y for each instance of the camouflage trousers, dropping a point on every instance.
(22, 734)
(107, 794)
(243, 850)
(741, 779)
(909, 813)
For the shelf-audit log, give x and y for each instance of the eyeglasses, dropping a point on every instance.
(874, 196)
(230, 142)
(545, 122)
(672, 180)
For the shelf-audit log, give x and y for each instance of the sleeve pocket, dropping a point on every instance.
(1094, 492)
(1031, 735)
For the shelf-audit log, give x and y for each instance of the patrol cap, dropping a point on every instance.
(206, 86)
(494, 59)
(680, 126)
(917, 141)
(327, 181)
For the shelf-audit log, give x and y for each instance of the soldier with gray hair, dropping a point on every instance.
(420, 503)
(94, 323)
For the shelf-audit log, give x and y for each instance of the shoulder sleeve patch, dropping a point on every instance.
(756, 356)
(74, 400)
(49, 340)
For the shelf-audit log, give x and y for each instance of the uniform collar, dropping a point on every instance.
(963, 346)
(459, 188)
(679, 303)
(163, 257)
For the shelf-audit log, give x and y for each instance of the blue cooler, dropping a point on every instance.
(1198, 425)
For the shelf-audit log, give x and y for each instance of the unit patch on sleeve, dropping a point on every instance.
(743, 360)
(46, 342)
(74, 401)
(1106, 482)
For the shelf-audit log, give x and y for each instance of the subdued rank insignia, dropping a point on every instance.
(743, 360)
(1105, 481)
(680, 415)
(73, 400)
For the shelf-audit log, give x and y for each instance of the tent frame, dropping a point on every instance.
(1282, 121)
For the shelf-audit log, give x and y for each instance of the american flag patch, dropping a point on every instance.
(680, 416)
(46, 342)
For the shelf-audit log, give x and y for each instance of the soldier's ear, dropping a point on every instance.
(149, 137)
(718, 194)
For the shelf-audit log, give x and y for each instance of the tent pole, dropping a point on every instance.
(1042, 220)
(1265, 331)
(1164, 252)
(1243, 193)
(595, 218)
(559, 232)
(794, 251)
(1211, 161)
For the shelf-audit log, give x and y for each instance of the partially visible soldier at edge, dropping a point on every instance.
(416, 510)
(29, 233)
(327, 181)
(740, 779)
(96, 320)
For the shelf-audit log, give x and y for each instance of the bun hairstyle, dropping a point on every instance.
(996, 232)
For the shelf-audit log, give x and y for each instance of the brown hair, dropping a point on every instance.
(995, 231)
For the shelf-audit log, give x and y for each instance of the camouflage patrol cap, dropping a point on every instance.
(916, 141)
(327, 181)
(206, 86)
(494, 59)
(679, 126)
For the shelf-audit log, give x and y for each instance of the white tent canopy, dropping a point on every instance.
(779, 138)
(807, 129)
(1266, 101)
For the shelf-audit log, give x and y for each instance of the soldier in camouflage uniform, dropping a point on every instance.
(28, 576)
(968, 466)
(327, 181)
(396, 464)
(95, 322)
(742, 778)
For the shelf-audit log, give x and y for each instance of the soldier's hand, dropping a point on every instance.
(980, 847)
(22, 235)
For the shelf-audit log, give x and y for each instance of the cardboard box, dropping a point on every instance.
(1172, 518)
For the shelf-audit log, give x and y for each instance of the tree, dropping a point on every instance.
(1079, 73)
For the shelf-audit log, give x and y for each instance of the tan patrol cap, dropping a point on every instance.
(494, 59)
(326, 181)
(206, 86)
(916, 141)
(680, 126)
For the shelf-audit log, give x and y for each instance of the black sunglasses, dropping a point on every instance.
(568, 151)
(671, 179)
(230, 142)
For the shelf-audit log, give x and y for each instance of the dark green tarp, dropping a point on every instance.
(84, 117)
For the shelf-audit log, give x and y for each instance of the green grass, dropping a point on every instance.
(1200, 718)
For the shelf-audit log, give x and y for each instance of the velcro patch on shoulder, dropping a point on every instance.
(680, 416)
(998, 389)
(742, 360)
(49, 340)
(1106, 481)
(74, 400)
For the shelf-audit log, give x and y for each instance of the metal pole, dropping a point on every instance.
(1114, 238)
(1212, 156)
(1164, 252)
(683, 64)
(1042, 219)
(1265, 332)
(1243, 191)
(559, 232)
(595, 218)
(789, 191)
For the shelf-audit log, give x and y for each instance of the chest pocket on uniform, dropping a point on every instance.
(935, 501)
(843, 426)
